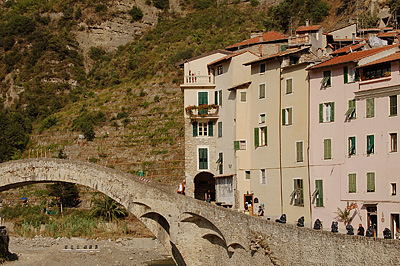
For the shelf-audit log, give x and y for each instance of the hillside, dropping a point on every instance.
(105, 70)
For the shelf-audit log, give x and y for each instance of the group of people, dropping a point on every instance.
(260, 212)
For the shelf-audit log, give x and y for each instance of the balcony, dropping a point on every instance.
(198, 80)
(202, 111)
(304, 39)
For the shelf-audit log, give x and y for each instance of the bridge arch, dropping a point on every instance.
(159, 210)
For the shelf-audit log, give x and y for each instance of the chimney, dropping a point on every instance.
(307, 22)
(256, 34)
(354, 37)
(260, 38)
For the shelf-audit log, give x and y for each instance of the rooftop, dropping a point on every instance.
(202, 55)
(348, 48)
(352, 57)
(308, 28)
(266, 37)
(392, 57)
(229, 57)
(287, 52)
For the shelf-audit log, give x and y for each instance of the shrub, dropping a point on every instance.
(108, 209)
(67, 193)
(161, 4)
(96, 53)
(254, 3)
(100, 8)
(48, 123)
(136, 13)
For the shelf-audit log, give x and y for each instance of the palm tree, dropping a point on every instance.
(108, 209)
(344, 215)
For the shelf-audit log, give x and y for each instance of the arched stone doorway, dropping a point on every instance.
(202, 182)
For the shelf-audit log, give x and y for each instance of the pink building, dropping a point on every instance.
(354, 127)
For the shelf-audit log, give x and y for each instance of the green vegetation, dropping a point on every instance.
(295, 12)
(136, 13)
(67, 194)
(368, 21)
(108, 209)
(86, 121)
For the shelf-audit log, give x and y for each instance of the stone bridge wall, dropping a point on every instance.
(198, 233)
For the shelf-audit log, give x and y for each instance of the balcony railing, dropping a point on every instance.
(198, 80)
(205, 110)
(304, 39)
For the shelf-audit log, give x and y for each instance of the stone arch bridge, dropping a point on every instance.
(198, 233)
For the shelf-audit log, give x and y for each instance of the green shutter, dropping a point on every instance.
(284, 47)
(290, 116)
(236, 145)
(327, 149)
(210, 129)
(202, 97)
(221, 163)
(352, 183)
(352, 145)
(265, 136)
(321, 112)
(256, 137)
(370, 182)
(357, 78)
(370, 144)
(346, 74)
(320, 198)
(220, 97)
(393, 105)
(332, 111)
(283, 117)
(216, 97)
(289, 86)
(203, 161)
(370, 107)
(299, 151)
(195, 130)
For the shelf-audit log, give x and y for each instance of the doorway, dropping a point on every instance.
(372, 218)
(248, 198)
(202, 183)
(394, 224)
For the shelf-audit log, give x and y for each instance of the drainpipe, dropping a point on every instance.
(308, 145)
(280, 135)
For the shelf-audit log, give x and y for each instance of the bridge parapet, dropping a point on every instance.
(199, 233)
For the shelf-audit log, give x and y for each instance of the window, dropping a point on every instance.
(261, 91)
(220, 163)
(393, 142)
(287, 116)
(393, 105)
(319, 186)
(327, 149)
(349, 74)
(219, 129)
(203, 129)
(351, 111)
(326, 80)
(261, 119)
(393, 189)
(352, 146)
(370, 144)
(299, 151)
(239, 145)
(219, 70)
(370, 105)
(263, 180)
(218, 97)
(352, 183)
(260, 136)
(370, 182)
(203, 158)
(243, 96)
(289, 86)
(376, 72)
(202, 97)
(327, 112)
(297, 193)
(262, 68)
(242, 144)
(247, 175)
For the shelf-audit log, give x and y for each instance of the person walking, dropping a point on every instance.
(208, 196)
(260, 212)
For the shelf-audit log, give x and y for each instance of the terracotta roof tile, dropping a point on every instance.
(202, 55)
(291, 51)
(392, 57)
(229, 57)
(352, 57)
(308, 28)
(346, 49)
(266, 37)
(388, 34)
